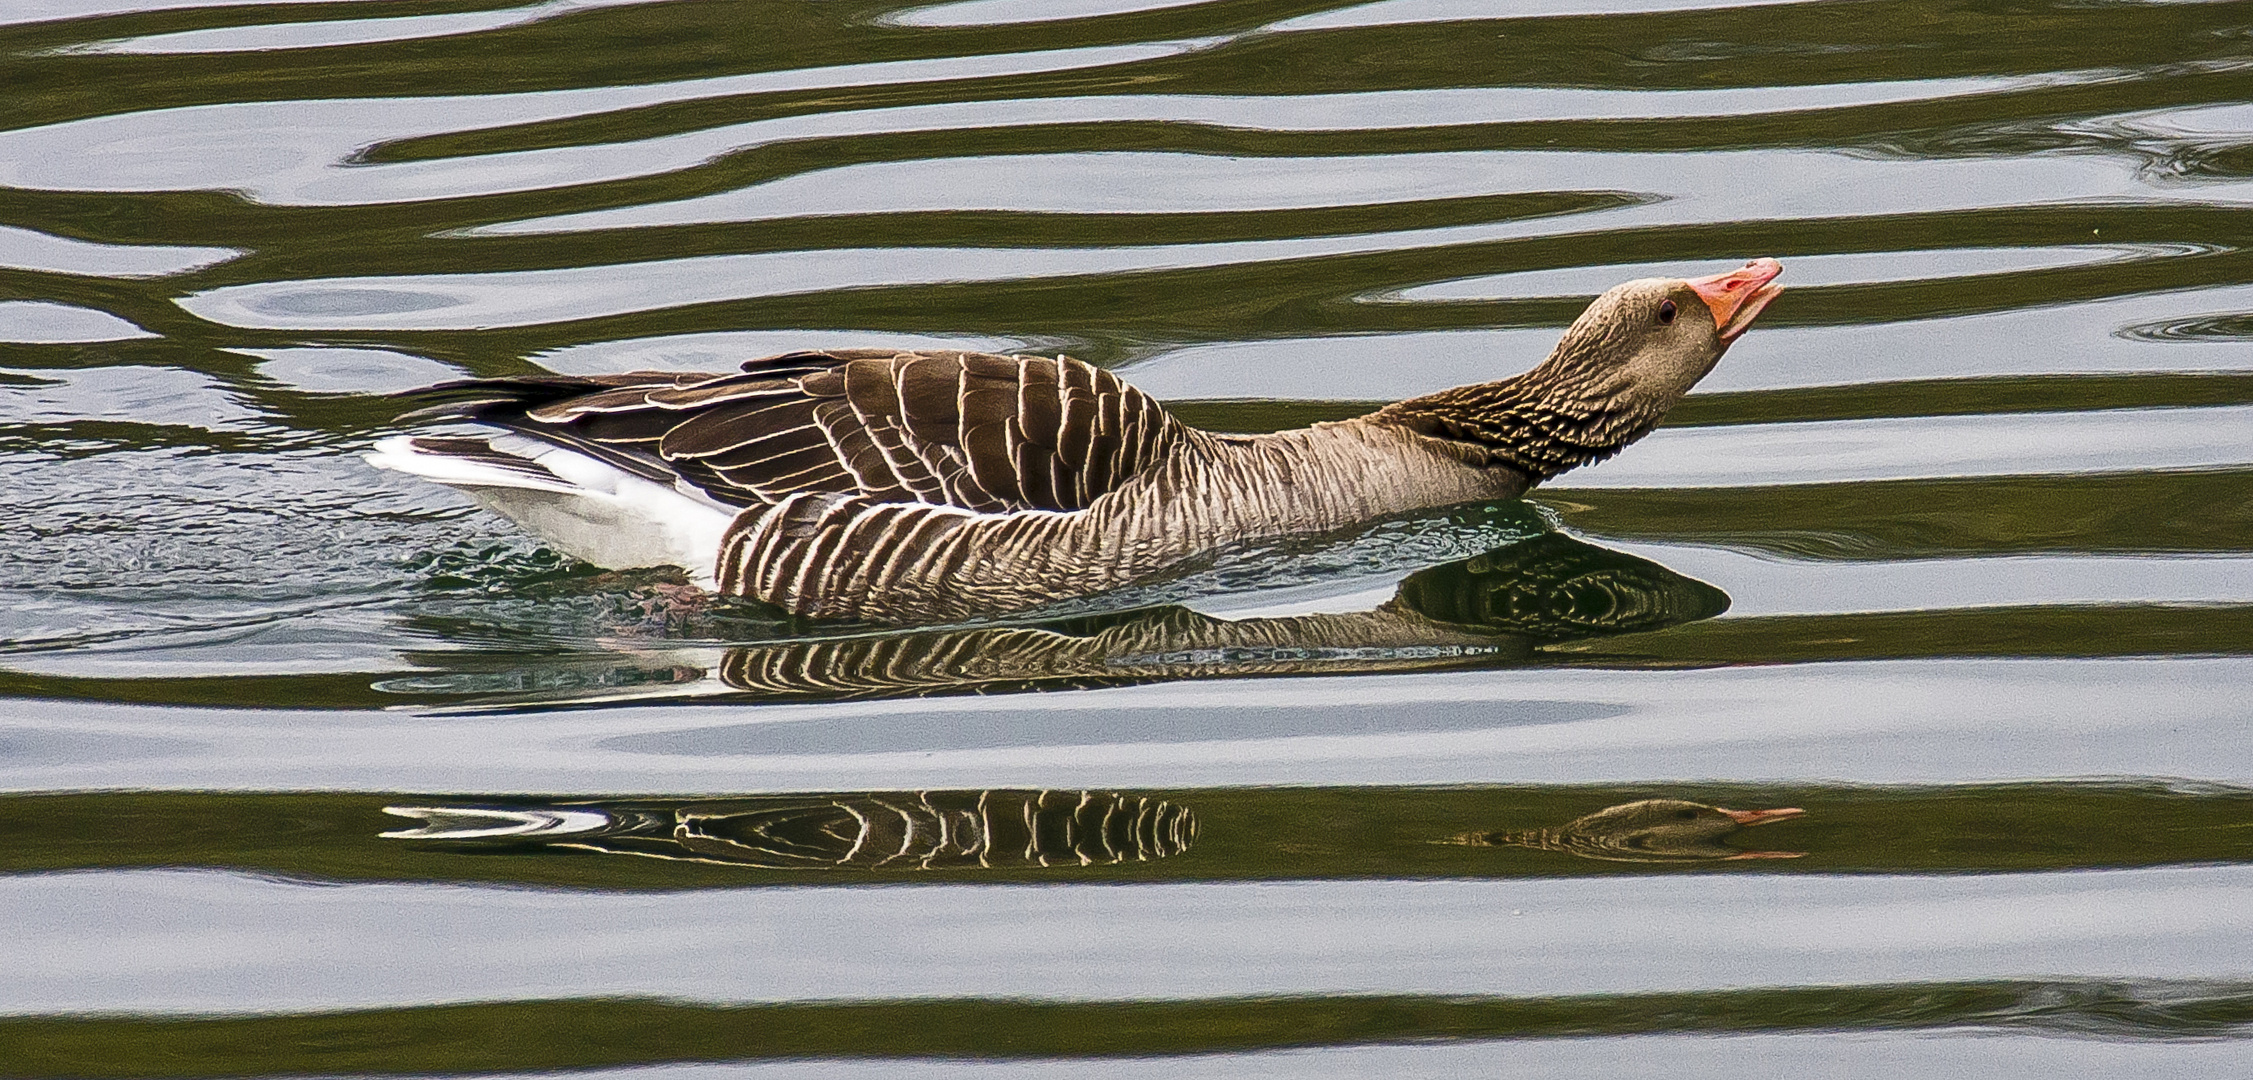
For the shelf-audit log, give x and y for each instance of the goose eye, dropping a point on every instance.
(1665, 312)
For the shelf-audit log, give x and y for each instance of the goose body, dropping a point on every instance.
(914, 487)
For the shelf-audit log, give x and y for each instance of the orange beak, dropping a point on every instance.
(1750, 818)
(1737, 296)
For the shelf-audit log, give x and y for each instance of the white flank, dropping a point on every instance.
(592, 510)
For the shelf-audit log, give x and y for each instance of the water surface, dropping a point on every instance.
(1949, 552)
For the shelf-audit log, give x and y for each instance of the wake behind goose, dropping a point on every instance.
(911, 487)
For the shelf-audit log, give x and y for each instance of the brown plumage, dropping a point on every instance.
(904, 486)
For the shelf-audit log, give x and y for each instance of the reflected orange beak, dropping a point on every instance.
(1750, 818)
(1737, 296)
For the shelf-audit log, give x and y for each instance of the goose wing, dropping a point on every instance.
(972, 430)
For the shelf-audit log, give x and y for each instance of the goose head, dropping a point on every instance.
(1647, 342)
(1670, 829)
(1619, 367)
(1650, 830)
(1642, 345)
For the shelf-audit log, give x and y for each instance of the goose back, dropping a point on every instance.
(975, 431)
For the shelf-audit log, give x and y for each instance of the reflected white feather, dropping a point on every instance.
(476, 823)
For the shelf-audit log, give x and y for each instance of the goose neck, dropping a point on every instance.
(1541, 423)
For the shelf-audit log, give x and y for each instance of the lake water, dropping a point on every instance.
(316, 770)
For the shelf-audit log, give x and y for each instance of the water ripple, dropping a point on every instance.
(306, 152)
(324, 34)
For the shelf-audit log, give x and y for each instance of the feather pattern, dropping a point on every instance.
(970, 430)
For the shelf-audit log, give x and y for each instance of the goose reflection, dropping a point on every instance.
(1649, 831)
(926, 830)
(1494, 608)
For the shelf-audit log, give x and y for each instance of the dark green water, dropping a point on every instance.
(1951, 552)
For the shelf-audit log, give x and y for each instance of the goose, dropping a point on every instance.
(918, 487)
(1651, 830)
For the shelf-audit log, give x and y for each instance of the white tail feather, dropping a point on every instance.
(583, 506)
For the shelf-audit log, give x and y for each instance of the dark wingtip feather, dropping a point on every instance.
(472, 399)
(481, 451)
(505, 403)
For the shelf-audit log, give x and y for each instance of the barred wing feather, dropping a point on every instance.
(975, 431)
